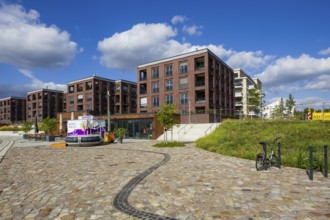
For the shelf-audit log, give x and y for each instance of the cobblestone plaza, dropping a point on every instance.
(135, 180)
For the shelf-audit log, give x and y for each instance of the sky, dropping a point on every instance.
(284, 43)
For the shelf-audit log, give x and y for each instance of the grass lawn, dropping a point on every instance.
(240, 138)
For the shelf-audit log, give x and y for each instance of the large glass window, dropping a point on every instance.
(155, 101)
(143, 75)
(155, 73)
(155, 87)
(143, 102)
(168, 70)
(184, 67)
(169, 85)
(169, 99)
(184, 83)
(184, 98)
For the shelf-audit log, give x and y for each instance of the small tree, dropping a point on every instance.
(48, 125)
(290, 105)
(279, 109)
(27, 126)
(166, 118)
(255, 99)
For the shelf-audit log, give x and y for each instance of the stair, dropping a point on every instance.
(189, 132)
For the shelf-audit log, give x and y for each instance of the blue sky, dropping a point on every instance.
(50, 43)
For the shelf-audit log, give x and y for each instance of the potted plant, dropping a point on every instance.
(26, 127)
(120, 133)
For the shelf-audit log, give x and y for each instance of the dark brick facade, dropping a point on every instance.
(44, 103)
(91, 95)
(12, 109)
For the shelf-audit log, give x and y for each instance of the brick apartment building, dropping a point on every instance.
(91, 95)
(44, 103)
(12, 109)
(199, 84)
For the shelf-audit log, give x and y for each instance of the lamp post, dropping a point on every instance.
(109, 113)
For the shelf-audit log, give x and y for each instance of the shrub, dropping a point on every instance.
(170, 144)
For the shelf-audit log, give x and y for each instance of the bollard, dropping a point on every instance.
(325, 161)
(310, 163)
(279, 162)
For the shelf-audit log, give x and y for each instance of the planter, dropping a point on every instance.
(120, 140)
(50, 138)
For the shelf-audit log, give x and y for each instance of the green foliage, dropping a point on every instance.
(241, 139)
(166, 116)
(47, 125)
(27, 126)
(10, 128)
(120, 132)
(290, 105)
(170, 144)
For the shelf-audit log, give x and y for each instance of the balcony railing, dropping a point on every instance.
(200, 100)
(238, 94)
(200, 83)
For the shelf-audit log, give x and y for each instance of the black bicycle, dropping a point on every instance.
(262, 161)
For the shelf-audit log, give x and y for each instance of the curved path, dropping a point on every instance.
(121, 200)
(5, 145)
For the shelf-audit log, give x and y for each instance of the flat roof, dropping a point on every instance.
(47, 90)
(91, 77)
(196, 52)
(12, 97)
(126, 81)
(192, 53)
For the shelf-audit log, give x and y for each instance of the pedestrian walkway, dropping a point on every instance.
(83, 182)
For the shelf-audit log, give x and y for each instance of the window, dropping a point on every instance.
(71, 100)
(155, 73)
(155, 101)
(89, 86)
(184, 111)
(184, 67)
(143, 75)
(184, 83)
(169, 85)
(184, 98)
(143, 102)
(155, 87)
(168, 70)
(169, 99)
(71, 89)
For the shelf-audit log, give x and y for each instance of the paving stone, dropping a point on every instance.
(39, 182)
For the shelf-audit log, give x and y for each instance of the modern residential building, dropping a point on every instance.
(91, 95)
(12, 109)
(199, 84)
(44, 103)
(268, 110)
(243, 84)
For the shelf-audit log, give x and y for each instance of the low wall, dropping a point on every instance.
(11, 133)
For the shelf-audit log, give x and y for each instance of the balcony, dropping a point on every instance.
(200, 100)
(238, 85)
(239, 104)
(238, 94)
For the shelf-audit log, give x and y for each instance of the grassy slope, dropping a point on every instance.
(241, 138)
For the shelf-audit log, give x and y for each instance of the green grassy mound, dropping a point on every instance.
(241, 139)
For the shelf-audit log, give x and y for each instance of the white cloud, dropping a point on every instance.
(303, 70)
(27, 43)
(193, 30)
(148, 42)
(248, 60)
(38, 84)
(325, 51)
(178, 19)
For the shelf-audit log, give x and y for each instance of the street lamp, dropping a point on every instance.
(109, 114)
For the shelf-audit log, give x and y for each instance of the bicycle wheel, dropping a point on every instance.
(273, 161)
(259, 163)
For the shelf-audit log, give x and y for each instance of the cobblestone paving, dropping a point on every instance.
(82, 183)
